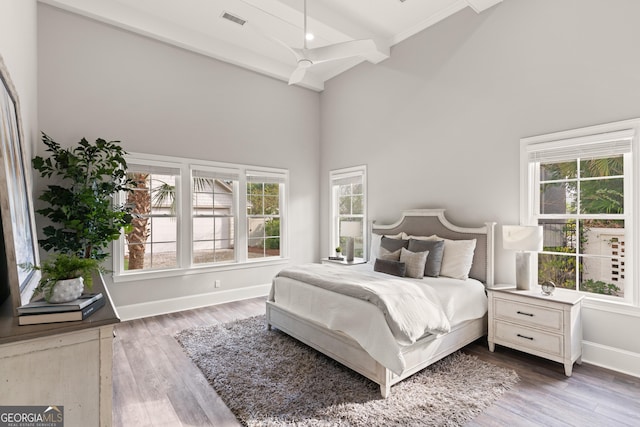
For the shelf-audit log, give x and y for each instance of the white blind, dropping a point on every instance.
(588, 147)
(347, 178)
(220, 174)
(267, 177)
(156, 169)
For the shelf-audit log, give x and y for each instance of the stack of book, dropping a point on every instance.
(40, 311)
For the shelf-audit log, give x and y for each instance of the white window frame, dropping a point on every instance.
(268, 176)
(335, 176)
(231, 174)
(184, 202)
(571, 141)
(161, 167)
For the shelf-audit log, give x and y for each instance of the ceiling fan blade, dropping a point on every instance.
(348, 49)
(298, 75)
(297, 53)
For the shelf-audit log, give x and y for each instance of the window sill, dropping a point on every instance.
(158, 274)
(624, 308)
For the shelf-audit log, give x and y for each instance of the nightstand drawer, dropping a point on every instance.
(519, 336)
(530, 315)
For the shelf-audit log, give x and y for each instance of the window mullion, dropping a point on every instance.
(183, 211)
(242, 240)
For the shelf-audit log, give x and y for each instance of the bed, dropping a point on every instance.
(356, 333)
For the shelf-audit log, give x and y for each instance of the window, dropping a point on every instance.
(579, 189)
(264, 201)
(194, 215)
(153, 240)
(213, 211)
(348, 207)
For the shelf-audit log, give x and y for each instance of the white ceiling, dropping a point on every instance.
(198, 25)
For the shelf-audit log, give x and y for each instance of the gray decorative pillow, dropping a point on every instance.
(388, 255)
(396, 268)
(415, 262)
(434, 260)
(393, 245)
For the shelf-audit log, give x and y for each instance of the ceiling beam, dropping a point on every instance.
(481, 5)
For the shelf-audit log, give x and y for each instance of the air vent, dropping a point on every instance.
(233, 18)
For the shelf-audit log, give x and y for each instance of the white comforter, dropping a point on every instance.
(411, 310)
(460, 300)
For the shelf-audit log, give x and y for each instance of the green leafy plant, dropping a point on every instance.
(64, 267)
(272, 228)
(600, 287)
(338, 249)
(80, 204)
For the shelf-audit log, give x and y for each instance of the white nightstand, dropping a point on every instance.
(546, 326)
(355, 261)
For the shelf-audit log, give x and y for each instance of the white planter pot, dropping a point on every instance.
(67, 290)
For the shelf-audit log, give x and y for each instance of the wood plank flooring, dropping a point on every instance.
(155, 384)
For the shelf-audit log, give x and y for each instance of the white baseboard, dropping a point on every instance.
(154, 308)
(611, 358)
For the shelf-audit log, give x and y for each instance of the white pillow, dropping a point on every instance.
(457, 258)
(406, 236)
(375, 245)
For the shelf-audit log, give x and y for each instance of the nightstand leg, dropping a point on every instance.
(568, 368)
(492, 346)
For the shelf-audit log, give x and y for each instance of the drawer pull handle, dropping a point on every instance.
(525, 337)
(525, 314)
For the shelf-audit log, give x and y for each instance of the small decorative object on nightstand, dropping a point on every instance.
(546, 326)
(524, 239)
(548, 287)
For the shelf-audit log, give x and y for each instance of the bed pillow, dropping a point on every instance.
(396, 268)
(457, 258)
(414, 261)
(393, 244)
(388, 255)
(409, 236)
(434, 259)
(375, 244)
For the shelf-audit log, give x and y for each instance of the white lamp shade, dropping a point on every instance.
(351, 228)
(522, 237)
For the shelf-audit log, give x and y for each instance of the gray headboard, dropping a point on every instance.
(426, 222)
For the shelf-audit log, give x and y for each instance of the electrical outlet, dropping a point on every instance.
(217, 283)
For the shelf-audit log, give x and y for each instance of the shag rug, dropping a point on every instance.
(267, 378)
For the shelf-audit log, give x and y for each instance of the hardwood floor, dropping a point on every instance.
(155, 384)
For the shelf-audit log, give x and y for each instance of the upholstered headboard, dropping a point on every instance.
(426, 222)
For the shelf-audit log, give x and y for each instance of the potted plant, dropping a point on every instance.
(338, 251)
(84, 218)
(65, 276)
(80, 199)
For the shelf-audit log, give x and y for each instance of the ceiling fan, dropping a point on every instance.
(306, 57)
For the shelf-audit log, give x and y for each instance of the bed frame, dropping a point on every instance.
(430, 349)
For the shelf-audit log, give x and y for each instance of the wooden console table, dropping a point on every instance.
(67, 364)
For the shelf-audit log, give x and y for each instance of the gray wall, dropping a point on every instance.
(99, 81)
(18, 47)
(439, 123)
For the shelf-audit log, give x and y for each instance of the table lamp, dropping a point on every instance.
(524, 239)
(350, 230)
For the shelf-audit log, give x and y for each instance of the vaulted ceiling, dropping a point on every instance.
(213, 27)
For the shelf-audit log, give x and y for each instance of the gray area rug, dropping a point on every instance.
(267, 378)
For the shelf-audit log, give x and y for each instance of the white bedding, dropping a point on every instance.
(461, 300)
